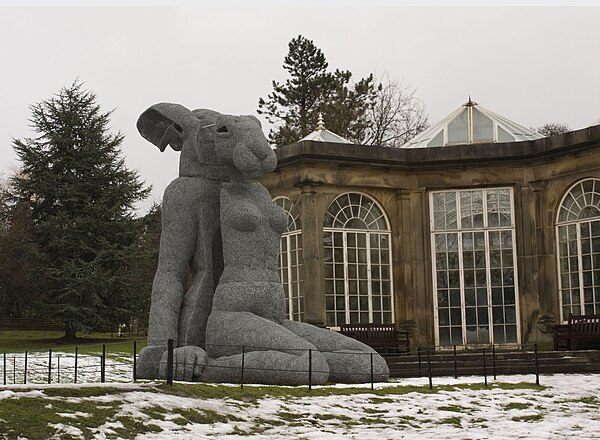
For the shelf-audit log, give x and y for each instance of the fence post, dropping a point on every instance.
(14, 369)
(103, 364)
(58, 368)
(49, 365)
(170, 362)
(134, 357)
(429, 368)
(371, 370)
(419, 357)
(310, 369)
(243, 360)
(4, 363)
(25, 370)
(494, 360)
(455, 363)
(76, 353)
(484, 368)
(537, 365)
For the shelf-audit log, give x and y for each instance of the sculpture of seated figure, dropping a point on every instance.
(249, 303)
(247, 324)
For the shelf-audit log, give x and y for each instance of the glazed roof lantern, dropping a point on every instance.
(472, 123)
(321, 134)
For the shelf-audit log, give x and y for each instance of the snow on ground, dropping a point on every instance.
(119, 367)
(568, 407)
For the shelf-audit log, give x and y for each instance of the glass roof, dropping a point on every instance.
(323, 135)
(471, 124)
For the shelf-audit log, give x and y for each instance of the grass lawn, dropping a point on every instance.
(220, 410)
(15, 341)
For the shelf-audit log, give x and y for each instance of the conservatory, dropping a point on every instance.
(477, 231)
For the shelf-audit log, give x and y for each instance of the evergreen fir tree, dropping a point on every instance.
(294, 106)
(81, 200)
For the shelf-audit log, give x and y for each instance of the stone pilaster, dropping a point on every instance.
(312, 256)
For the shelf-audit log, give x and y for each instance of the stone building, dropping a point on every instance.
(477, 231)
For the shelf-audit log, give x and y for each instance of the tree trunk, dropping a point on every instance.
(70, 332)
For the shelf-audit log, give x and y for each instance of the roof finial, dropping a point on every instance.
(470, 103)
(320, 124)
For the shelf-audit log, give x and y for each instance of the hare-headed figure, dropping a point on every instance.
(234, 230)
(190, 239)
(247, 323)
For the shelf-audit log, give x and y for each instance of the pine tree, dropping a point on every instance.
(20, 257)
(294, 106)
(143, 263)
(81, 200)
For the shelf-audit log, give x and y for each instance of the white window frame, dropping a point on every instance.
(295, 312)
(368, 232)
(577, 223)
(486, 229)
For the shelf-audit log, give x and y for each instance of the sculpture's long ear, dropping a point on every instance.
(165, 124)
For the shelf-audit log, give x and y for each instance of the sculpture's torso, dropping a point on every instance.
(250, 280)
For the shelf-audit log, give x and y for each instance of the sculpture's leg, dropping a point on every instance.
(177, 242)
(349, 360)
(272, 354)
(207, 266)
(188, 363)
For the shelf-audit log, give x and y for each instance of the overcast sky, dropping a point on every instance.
(531, 64)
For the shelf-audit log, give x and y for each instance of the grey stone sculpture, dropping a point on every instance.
(190, 238)
(246, 324)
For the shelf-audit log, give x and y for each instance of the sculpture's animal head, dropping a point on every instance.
(241, 144)
(212, 145)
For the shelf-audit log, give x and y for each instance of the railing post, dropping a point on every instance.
(484, 368)
(170, 362)
(419, 357)
(372, 386)
(134, 358)
(494, 360)
(25, 369)
(310, 369)
(58, 368)
(4, 363)
(243, 361)
(455, 363)
(14, 369)
(537, 365)
(49, 365)
(76, 353)
(103, 364)
(429, 368)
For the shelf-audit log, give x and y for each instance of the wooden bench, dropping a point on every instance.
(580, 332)
(382, 337)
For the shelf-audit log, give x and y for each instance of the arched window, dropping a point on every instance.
(578, 232)
(290, 261)
(358, 279)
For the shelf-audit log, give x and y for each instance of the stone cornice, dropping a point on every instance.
(485, 154)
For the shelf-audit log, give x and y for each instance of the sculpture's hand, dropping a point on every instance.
(188, 363)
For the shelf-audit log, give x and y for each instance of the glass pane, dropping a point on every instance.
(483, 127)
(458, 129)
(437, 141)
(504, 136)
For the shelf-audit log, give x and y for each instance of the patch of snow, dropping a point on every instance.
(66, 429)
(568, 407)
(74, 415)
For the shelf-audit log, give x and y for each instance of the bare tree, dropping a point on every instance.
(553, 128)
(396, 114)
